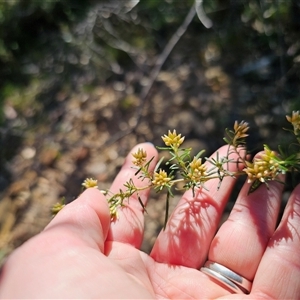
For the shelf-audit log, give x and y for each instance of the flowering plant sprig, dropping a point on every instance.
(192, 172)
(117, 200)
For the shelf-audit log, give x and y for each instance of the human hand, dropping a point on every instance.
(81, 254)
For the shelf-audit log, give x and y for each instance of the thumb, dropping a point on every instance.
(86, 218)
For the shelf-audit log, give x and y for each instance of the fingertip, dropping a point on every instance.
(88, 213)
(95, 199)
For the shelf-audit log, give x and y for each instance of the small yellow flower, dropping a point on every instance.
(161, 178)
(263, 168)
(57, 207)
(90, 183)
(240, 129)
(113, 212)
(197, 170)
(295, 121)
(173, 139)
(140, 157)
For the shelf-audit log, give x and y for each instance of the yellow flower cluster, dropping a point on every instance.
(264, 168)
(197, 170)
(240, 129)
(173, 139)
(295, 121)
(161, 178)
(57, 207)
(140, 157)
(90, 183)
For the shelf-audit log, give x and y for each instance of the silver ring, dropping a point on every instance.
(233, 281)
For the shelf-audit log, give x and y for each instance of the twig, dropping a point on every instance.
(201, 14)
(153, 75)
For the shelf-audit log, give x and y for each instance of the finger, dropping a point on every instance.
(192, 225)
(278, 275)
(241, 240)
(85, 220)
(129, 226)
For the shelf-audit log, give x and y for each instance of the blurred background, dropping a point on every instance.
(81, 82)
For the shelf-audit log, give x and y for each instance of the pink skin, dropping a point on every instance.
(81, 254)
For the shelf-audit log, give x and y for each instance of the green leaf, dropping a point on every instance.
(158, 164)
(199, 153)
(254, 186)
(163, 148)
(142, 204)
(167, 210)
